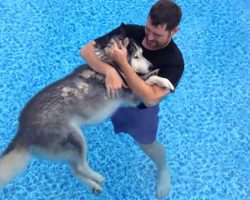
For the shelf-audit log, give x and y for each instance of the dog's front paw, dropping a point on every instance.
(162, 82)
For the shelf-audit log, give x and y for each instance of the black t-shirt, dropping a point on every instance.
(168, 60)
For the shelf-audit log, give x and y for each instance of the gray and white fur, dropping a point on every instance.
(49, 125)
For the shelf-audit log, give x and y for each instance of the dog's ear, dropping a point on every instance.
(126, 42)
(122, 29)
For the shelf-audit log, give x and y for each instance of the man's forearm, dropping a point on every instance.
(146, 92)
(113, 81)
(87, 53)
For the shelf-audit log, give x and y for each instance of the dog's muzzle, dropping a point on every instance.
(149, 74)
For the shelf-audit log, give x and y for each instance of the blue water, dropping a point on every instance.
(205, 125)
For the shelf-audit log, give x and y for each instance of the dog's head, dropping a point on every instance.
(135, 58)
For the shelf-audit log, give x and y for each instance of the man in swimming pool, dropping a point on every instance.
(160, 49)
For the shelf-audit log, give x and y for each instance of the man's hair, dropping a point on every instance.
(165, 12)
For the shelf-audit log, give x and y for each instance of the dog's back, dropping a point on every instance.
(81, 94)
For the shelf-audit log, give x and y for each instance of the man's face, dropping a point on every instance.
(156, 37)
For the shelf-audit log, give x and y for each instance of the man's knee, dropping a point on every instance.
(148, 147)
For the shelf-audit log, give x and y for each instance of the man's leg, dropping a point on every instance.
(156, 152)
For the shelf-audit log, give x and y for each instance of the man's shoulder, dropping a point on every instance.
(171, 63)
(176, 52)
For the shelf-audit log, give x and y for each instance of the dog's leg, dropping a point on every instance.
(88, 176)
(78, 162)
(162, 82)
(67, 143)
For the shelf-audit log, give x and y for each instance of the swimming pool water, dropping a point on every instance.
(204, 126)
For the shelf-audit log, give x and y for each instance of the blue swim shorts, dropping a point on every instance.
(141, 124)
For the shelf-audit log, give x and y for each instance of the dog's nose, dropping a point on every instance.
(151, 68)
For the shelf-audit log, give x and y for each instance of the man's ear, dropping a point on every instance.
(175, 30)
(126, 42)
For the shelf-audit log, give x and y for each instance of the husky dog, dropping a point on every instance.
(49, 125)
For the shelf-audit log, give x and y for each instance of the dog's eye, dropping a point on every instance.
(136, 57)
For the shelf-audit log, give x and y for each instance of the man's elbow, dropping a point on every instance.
(150, 102)
(86, 50)
(83, 52)
(154, 98)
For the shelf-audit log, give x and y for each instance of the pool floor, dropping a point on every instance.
(204, 125)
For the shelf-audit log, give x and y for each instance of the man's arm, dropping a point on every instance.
(113, 81)
(149, 94)
(87, 53)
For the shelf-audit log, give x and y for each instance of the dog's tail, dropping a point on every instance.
(13, 161)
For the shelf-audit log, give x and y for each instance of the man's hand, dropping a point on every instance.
(113, 80)
(113, 83)
(118, 53)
